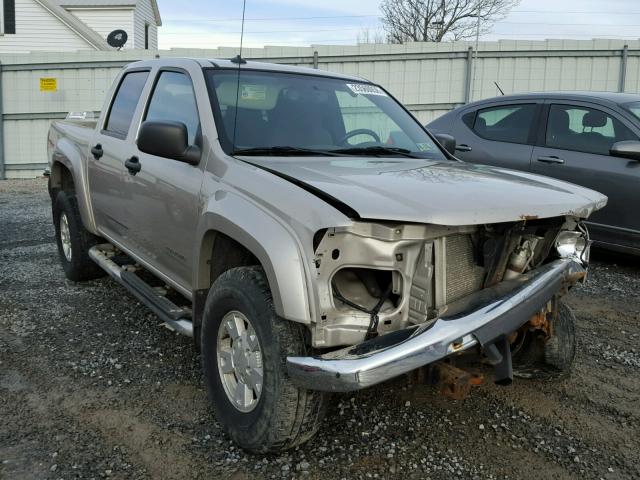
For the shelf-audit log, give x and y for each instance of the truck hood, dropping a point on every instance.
(442, 192)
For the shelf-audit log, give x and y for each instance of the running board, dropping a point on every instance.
(177, 318)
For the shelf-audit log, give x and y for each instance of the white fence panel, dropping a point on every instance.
(429, 78)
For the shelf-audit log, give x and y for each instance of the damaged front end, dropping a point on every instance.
(404, 296)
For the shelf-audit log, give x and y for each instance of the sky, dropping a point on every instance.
(215, 23)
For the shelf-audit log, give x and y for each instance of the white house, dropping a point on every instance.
(70, 25)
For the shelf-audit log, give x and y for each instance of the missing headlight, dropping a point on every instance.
(367, 290)
(365, 286)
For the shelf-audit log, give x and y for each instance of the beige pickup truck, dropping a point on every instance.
(312, 237)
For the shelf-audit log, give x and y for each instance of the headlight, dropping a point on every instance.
(573, 244)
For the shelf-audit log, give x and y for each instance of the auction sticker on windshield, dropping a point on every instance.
(253, 92)
(365, 89)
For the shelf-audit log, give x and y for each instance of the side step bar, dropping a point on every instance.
(177, 318)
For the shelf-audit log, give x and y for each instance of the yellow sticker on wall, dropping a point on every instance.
(48, 84)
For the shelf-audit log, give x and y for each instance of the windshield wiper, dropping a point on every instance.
(282, 151)
(376, 150)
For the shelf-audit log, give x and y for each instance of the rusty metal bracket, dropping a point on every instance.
(453, 382)
(543, 320)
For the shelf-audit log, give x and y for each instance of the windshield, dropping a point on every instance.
(634, 108)
(312, 115)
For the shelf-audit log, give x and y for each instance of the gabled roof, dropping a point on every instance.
(110, 3)
(89, 35)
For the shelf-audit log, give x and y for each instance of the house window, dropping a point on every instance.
(146, 36)
(8, 17)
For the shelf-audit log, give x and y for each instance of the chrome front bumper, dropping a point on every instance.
(479, 319)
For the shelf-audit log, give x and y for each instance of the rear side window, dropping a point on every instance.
(506, 123)
(125, 102)
(173, 99)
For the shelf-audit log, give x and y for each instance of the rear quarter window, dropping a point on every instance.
(468, 119)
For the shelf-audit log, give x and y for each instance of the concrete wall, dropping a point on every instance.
(429, 78)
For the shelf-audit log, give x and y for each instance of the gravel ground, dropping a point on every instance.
(91, 386)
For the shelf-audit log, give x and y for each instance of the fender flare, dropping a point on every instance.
(272, 242)
(68, 155)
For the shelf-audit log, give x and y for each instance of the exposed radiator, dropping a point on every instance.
(462, 274)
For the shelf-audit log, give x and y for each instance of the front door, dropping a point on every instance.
(576, 148)
(164, 194)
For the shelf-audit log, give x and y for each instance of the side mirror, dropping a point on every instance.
(169, 140)
(626, 149)
(447, 142)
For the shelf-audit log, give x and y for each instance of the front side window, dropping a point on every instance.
(275, 109)
(506, 123)
(125, 102)
(584, 129)
(173, 100)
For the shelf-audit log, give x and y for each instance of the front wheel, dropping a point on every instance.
(560, 350)
(540, 357)
(244, 347)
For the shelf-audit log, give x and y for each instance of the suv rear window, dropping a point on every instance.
(506, 123)
(125, 102)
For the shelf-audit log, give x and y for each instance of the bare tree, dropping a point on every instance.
(368, 35)
(438, 20)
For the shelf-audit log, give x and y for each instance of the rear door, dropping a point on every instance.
(110, 148)
(164, 194)
(575, 147)
(500, 134)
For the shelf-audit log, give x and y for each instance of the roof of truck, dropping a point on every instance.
(249, 65)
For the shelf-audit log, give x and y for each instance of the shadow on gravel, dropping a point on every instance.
(600, 255)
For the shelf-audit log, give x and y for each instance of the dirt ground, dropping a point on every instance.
(92, 386)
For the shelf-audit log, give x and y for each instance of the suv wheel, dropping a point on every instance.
(554, 357)
(73, 240)
(560, 350)
(244, 347)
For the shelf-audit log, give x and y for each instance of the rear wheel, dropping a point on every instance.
(73, 240)
(244, 347)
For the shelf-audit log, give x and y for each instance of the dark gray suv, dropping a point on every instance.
(588, 138)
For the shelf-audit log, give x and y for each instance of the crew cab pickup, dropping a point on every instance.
(312, 237)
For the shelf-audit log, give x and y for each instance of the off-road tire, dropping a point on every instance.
(80, 267)
(553, 357)
(285, 415)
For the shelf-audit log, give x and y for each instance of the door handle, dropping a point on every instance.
(551, 159)
(463, 148)
(133, 165)
(97, 151)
